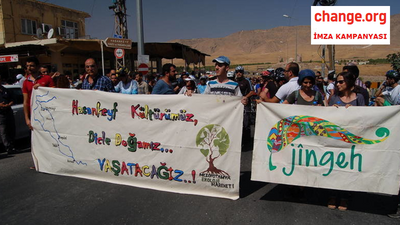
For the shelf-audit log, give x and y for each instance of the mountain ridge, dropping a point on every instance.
(278, 45)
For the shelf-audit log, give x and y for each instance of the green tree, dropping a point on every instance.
(214, 142)
(394, 60)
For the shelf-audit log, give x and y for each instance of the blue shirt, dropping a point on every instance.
(201, 88)
(128, 88)
(100, 82)
(162, 88)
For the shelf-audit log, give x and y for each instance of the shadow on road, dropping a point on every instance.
(21, 145)
(247, 186)
(358, 201)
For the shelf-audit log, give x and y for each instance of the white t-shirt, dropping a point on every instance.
(287, 89)
(392, 95)
(328, 88)
(229, 88)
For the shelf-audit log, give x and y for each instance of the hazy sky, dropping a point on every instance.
(165, 20)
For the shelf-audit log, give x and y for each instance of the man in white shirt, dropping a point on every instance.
(388, 93)
(330, 89)
(291, 74)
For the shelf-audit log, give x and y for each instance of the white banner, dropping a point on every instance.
(179, 144)
(353, 149)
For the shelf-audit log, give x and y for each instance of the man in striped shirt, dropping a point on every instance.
(222, 85)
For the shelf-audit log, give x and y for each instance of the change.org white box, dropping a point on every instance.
(350, 25)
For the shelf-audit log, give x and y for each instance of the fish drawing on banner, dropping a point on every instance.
(291, 128)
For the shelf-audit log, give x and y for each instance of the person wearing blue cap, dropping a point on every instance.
(222, 85)
(306, 95)
(389, 92)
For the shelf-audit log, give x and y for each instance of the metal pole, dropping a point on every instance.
(323, 61)
(140, 27)
(295, 58)
(102, 57)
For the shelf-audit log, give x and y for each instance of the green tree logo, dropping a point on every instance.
(214, 142)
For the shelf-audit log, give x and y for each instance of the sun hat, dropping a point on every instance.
(306, 73)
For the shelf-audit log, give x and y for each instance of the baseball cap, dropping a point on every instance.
(19, 76)
(392, 74)
(190, 77)
(351, 64)
(265, 73)
(239, 68)
(222, 59)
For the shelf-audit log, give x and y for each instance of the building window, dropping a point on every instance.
(69, 29)
(28, 26)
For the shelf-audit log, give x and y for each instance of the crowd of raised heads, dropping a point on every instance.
(339, 88)
(289, 85)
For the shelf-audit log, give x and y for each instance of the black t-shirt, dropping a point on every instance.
(364, 93)
(244, 85)
(272, 88)
(5, 95)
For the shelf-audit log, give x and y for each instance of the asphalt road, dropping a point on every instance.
(30, 197)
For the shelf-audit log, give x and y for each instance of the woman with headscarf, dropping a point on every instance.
(306, 95)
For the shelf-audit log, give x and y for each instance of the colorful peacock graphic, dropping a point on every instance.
(291, 128)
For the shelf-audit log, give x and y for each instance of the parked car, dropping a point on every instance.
(21, 129)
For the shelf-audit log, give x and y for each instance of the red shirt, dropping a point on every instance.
(43, 80)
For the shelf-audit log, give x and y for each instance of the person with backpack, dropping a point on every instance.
(306, 95)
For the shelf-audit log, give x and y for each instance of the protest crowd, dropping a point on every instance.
(289, 85)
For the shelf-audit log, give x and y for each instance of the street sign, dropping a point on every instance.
(118, 43)
(117, 36)
(143, 69)
(143, 59)
(119, 53)
(8, 58)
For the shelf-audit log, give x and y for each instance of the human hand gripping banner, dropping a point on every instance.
(179, 144)
(356, 149)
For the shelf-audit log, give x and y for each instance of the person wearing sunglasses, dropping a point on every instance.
(94, 80)
(346, 92)
(306, 95)
(360, 86)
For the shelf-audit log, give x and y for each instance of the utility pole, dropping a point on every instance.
(331, 48)
(120, 25)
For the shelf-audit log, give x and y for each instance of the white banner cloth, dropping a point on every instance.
(179, 144)
(353, 149)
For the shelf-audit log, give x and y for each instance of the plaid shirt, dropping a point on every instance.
(101, 83)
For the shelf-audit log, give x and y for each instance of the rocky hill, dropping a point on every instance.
(274, 45)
